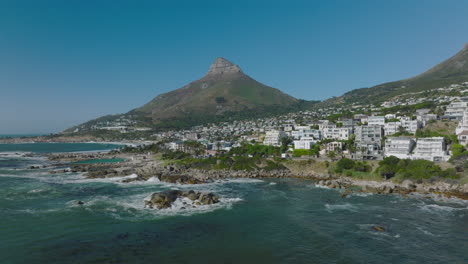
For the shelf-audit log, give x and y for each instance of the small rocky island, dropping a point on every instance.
(165, 199)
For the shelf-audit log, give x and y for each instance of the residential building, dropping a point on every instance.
(455, 110)
(338, 133)
(433, 149)
(411, 126)
(334, 146)
(391, 128)
(376, 120)
(304, 143)
(425, 118)
(273, 138)
(368, 142)
(400, 147)
(361, 118)
(462, 129)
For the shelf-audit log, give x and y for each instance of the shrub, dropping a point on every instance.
(345, 164)
(362, 166)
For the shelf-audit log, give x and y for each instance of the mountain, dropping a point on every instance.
(225, 88)
(452, 71)
(225, 93)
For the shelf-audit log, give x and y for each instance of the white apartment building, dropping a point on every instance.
(361, 117)
(400, 147)
(376, 120)
(298, 134)
(391, 128)
(411, 126)
(368, 142)
(338, 133)
(455, 110)
(432, 149)
(326, 124)
(273, 138)
(304, 143)
(462, 129)
(425, 118)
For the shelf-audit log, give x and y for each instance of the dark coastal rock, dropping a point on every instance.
(162, 200)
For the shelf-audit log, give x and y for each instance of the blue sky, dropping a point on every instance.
(65, 62)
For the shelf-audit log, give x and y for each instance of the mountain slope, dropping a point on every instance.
(452, 71)
(225, 88)
(225, 93)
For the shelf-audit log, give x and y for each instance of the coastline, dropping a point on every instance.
(146, 167)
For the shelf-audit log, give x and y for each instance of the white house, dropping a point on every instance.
(334, 146)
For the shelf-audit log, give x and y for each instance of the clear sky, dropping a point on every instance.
(65, 62)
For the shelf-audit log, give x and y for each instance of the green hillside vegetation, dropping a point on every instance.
(451, 71)
(224, 89)
(395, 169)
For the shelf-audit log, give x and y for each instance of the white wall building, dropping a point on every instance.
(376, 120)
(425, 118)
(462, 129)
(411, 126)
(304, 143)
(273, 138)
(368, 142)
(400, 147)
(433, 149)
(338, 133)
(455, 110)
(391, 128)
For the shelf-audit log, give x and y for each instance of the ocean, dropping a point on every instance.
(257, 221)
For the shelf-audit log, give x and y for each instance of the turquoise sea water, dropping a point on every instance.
(257, 221)
(19, 135)
(55, 147)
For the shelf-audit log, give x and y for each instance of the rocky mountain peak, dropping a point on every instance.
(223, 66)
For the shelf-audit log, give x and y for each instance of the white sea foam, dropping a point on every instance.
(360, 194)
(132, 207)
(425, 232)
(347, 206)
(321, 186)
(435, 208)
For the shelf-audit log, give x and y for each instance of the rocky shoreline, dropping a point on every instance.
(145, 168)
